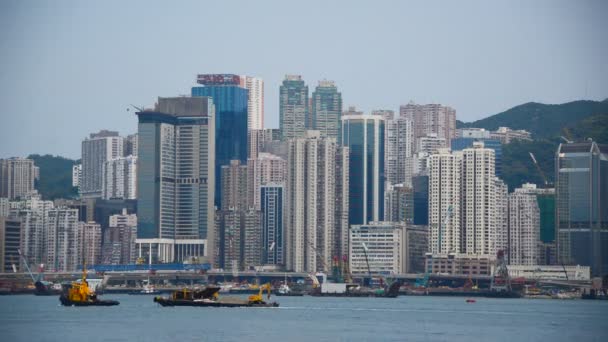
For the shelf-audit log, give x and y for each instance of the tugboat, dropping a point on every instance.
(79, 294)
(209, 297)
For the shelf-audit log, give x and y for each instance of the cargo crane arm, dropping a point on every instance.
(369, 270)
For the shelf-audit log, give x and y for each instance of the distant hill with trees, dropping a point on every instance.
(55, 176)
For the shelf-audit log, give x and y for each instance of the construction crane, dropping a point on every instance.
(540, 171)
(369, 270)
(423, 282)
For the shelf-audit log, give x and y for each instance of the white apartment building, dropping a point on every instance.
(17, 177)
(467, 203)
(524, 229)
(76, 175)
(265, 169)
(119, 178)
(476, 133)
(255, 104)
(63, 240)
(506, 135)
(96, 150)
(398, 140)
(445, 184)
(317, 202)
(383, 242)
(258, 139)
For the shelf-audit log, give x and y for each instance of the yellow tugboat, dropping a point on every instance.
(80, 294)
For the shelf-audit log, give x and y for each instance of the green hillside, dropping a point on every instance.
(55, 176)
(542, 120)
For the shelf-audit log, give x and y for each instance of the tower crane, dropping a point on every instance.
(540, 171)
(369, 270)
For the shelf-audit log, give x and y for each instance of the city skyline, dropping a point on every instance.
(88, 84)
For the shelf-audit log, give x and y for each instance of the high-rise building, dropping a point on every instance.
(581, 188)
(230, 239)
(175, 179)
(364, 136)
(63, 240)
(479, 202)
(231, 117)
(444, 198)
(10, 244)
(426, 146)
(398, 150)
(5, 206)
(467, 203)
(266, 169)
(524, 229)
(119, 240)
(327, 109)
(131, 145)
(255, 103)
(546, 204)
(420, 186)
(317, 200)
(252, 239)
(260, 138)
(119, 178)
(459, 144)
(399, 204)
(234, 186)
(379, 245)
(293, 107)
(431, 119)
(96, 150)
(17, 177)
(76, 175)
(416, 245)
(272, 202)
(387, 114)
(90, 247)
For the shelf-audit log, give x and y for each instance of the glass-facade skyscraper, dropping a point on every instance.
(364, 136)
(273, 238)
(293, 107)
(581, 188)
(175, 179)
(230, 101)
(327, 110)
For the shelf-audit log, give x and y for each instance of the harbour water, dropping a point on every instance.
(137, 318)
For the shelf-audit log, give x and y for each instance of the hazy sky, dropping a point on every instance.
(69, 68)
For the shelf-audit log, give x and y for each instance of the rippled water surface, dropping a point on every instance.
(138, 318)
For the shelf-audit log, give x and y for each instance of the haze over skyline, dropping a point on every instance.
(71, 68)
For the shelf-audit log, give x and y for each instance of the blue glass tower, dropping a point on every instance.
(230, 101)
(364, 136)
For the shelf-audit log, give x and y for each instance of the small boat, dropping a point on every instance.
(209, 297)
(471, 301)
(78, 293)
(285, 290)
(147, 289)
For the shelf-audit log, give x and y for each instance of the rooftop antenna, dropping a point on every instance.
(139, 109)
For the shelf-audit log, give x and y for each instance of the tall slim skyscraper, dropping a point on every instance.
(10, 243)
(364, 136)
(273, 233)
(398, 141)
(90, 246)
(175, 175)
(234, 186)
(231, 102)
(327, 109)
(524, 229)
(316, 202)
(63, 240)
(255, 103)
(581, 187)
(293, 107)
(259, 138)
(444, 191)
(96, 150)
(459, 144)
(431, 119)
(399, 204)
(16, 177)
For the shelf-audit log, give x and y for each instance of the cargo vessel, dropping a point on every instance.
(209, 297)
